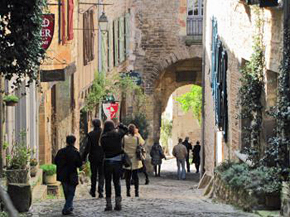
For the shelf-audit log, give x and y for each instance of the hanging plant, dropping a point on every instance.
(20, 40)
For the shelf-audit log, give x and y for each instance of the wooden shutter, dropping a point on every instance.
(121, 39)
(127, 33)
(70, 19)
(110, 47)
(63, 23)
(91, 36)
(85, 37)
(116, 44)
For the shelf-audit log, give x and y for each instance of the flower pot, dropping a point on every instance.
(21, 196)
(50, 179)
(17, 176)
(33, 170)
(10, 103)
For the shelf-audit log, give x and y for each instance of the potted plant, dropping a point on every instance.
(10, 100)
(49, 171)
(17, 174)
(33, 167)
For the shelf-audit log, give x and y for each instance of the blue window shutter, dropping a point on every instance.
(116, 43)
(121, 39)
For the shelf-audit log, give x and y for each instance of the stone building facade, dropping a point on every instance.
(232, 24)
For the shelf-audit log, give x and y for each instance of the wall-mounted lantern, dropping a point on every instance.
(103, 23)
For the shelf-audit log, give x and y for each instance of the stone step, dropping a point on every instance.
(39, 192)
(37, 180)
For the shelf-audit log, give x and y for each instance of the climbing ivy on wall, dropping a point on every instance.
(250, 92)
(277, 153)
(20, 40)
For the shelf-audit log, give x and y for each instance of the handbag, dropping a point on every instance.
(126, 161)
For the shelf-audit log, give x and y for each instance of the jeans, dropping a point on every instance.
(180, 174)
(187, 164)
(112, 169)
(97, 170)
(134, 175)
(69, 193)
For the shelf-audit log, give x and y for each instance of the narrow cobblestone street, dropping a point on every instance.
(164, 196)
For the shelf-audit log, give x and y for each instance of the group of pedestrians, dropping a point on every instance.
(181, 152)
(105, 150)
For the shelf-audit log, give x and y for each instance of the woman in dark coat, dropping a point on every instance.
(157, 155)
(111, 142)
(196, 156)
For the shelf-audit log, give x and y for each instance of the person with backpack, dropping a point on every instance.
(157, 155)
(131, 143)
(96, 158)
(67, 161)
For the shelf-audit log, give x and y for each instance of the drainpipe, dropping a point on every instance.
(203, 92)
(99, 55)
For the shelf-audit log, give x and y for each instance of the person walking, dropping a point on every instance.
(142, 142)
(180, 152)
(130, 142)
(111, 142)
(188, 147)
(67, 161)
(96, 158)
(196, 156)
(157, 155)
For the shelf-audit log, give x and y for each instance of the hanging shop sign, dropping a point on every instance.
(110, 109)
(47, 30)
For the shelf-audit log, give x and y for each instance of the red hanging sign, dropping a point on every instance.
(110, 110)
(47, 30)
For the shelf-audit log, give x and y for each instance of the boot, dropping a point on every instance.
(137, 190)
(108, 204)
(146, 181)
(128, 192)
(118, 205)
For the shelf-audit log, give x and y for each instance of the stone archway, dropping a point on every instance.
(183, 72)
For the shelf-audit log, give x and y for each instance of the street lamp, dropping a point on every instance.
(103, 22)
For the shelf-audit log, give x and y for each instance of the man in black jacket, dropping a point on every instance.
(67, 160)
(96, 158)
(188, 146)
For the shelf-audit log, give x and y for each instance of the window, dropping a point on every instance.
(70, 11)
(116, 42)
(194, 8)
(219, 81)
(88, 36)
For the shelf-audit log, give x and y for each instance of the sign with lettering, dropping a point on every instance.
(47, 30)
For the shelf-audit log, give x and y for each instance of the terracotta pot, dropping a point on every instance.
(50, 179)
(10, 103)
(33, 171)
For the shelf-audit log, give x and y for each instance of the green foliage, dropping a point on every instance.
(33, 162)
(250, 92)
(19, 154)
(261, 180)
(49, 169)
(20, 40)
(140, 120)
(10, 98)
(166, 131)
(192, 100)
(86, 168)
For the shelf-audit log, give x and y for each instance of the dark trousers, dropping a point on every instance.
(132, 174)
(157, 169)
(197, 167)
(69, 193)
(97, 171)
(144, 170)
(187, 164)
(112, 169)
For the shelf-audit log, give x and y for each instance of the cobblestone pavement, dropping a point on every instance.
(164, 196)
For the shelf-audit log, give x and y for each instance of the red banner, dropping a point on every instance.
(110, 110)
(47, 30)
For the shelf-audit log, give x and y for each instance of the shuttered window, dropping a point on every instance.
(116, 42)
(88, 36)
(63, 22)
(127, 34)
(121, 39)
(70, 18)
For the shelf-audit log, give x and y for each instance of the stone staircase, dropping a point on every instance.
(39, 191)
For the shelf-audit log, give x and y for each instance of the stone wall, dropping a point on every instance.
(236, 28)
(159, 44)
